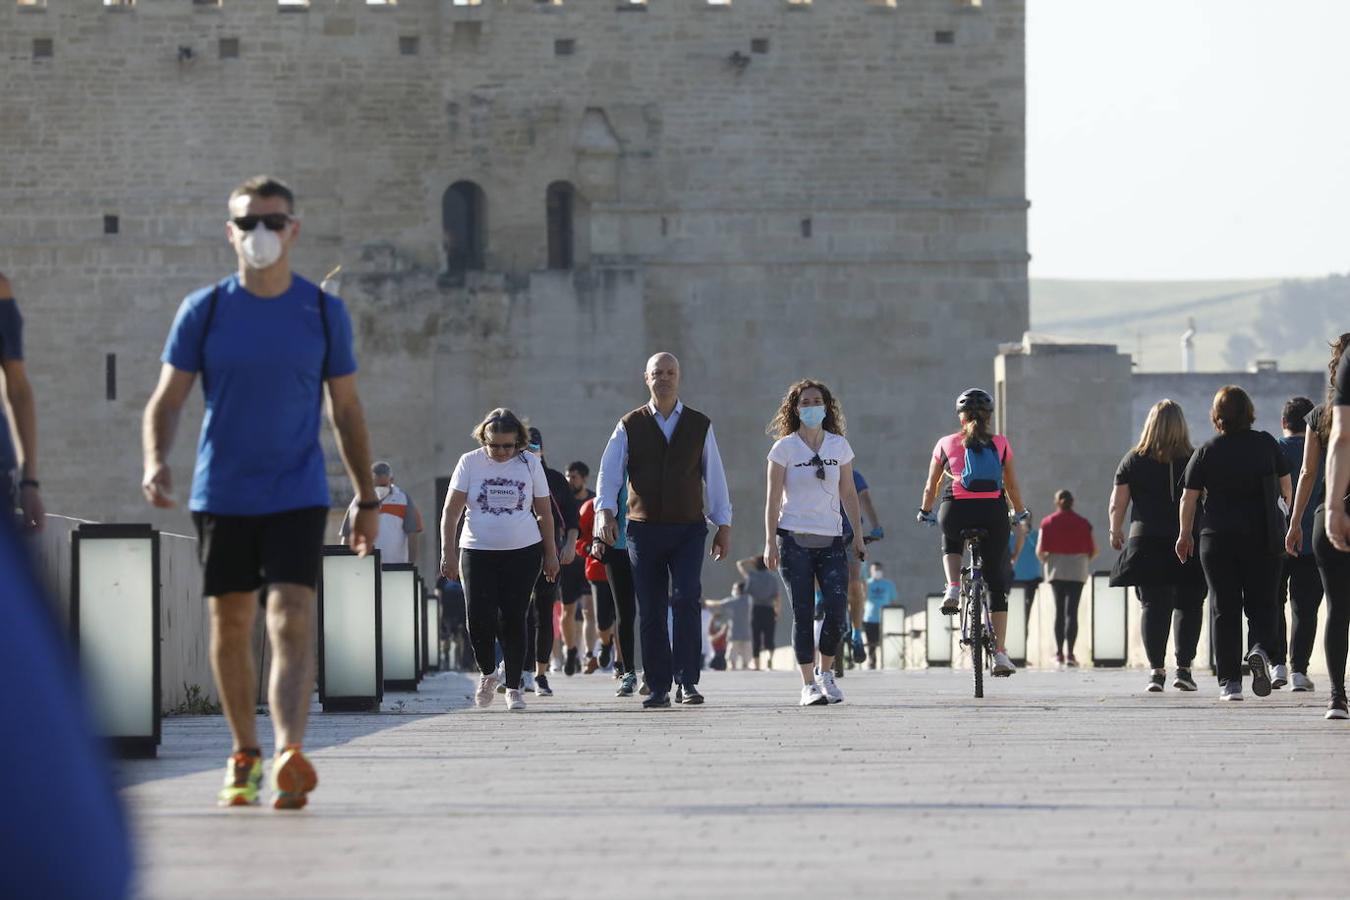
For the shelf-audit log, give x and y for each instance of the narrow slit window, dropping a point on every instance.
(110, 376)
(408, 45)
(229, 48)
(111, 225)
(561, 204)
(463, 228)
(565, 47)
(944, 37)
(43, 48)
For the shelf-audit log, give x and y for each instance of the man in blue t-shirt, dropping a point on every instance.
(880, 594)
(266, 343)
(20, 409)
(856, 590)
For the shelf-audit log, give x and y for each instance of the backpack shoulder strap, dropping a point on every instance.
(323, 319)
(206, 328)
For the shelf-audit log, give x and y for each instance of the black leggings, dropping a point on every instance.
(1243, 577)
(991, 515)
(763, 623)
(1158, 602)
(1334, 567)
(1301, 583)
(539, 619)
(497, 587)
(1067, 594)
(603, 598)
(620, 573)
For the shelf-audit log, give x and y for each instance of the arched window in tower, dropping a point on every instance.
(561, 225)
(464, 228)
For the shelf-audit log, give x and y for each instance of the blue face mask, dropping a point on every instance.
(812, 416)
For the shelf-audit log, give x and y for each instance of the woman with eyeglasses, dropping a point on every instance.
(981, 482)
(810, 472)
(503, 494)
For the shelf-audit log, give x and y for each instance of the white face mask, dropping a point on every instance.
(261, 247)
(382, 491)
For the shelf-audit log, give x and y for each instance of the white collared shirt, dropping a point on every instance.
(614, 468)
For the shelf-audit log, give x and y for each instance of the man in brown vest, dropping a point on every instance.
(668, 455)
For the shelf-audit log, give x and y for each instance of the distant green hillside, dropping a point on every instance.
(1236, 321)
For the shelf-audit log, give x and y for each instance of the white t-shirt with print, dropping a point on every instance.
(811, 505)
(499, 514)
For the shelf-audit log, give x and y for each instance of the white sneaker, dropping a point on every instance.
(825, 680)
(1002, 665)
(500, 675)
(813, 696)
(487, 687)
(1279, 677)
(527, 683)
(513, 699)
(1231, 690)
(951, 600)
(1301, 682)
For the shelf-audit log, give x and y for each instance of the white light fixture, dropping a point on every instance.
(937, 633)
(114, 619)
(893, 634)
(1110, 622)
(350, 651)
(400, 590)
(432, 633)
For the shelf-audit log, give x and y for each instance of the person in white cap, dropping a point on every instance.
(399, 518)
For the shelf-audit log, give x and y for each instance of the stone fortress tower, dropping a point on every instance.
(528, 199)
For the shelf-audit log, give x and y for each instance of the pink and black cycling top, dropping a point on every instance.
(951, 452)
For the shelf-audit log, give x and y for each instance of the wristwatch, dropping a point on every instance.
(367, 504)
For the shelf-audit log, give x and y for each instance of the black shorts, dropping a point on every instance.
(240, 554)
(572, 579)
(873, 632)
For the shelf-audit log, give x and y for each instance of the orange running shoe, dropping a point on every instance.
(292, 779)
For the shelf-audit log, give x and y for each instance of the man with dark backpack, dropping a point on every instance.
(267, 344)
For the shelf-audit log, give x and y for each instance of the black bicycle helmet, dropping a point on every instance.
(974, 400)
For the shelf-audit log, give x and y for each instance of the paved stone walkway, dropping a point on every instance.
(1055, 785)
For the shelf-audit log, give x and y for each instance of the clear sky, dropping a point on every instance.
(1188, 139)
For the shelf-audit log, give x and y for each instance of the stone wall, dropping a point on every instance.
(768, 190)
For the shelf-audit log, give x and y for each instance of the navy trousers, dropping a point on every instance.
(668, 577)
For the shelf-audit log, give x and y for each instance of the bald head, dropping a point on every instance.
(663, 378)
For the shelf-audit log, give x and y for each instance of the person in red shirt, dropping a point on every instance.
(601, 595)
(1066, 548)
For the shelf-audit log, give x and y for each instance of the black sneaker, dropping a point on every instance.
(541, 687)
(606, 656)
(1336, 708)
(1259, 663)
(1155, 682)
(1184, 681)
(571, 666)
(659, 700)
(688, 695)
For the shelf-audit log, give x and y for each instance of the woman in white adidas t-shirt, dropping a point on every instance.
(503, 494)
(810, 475)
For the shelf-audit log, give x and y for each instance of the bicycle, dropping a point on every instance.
(977, 624)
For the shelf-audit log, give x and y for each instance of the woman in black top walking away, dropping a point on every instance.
(1149, 483)
(1331, 525)
(1241, 564)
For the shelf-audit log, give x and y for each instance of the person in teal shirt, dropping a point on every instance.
(880, 594)
(1026, 567)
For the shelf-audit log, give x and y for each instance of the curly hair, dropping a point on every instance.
(786, 421)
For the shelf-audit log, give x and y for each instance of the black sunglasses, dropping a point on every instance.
(272, 221)
(820, 466)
